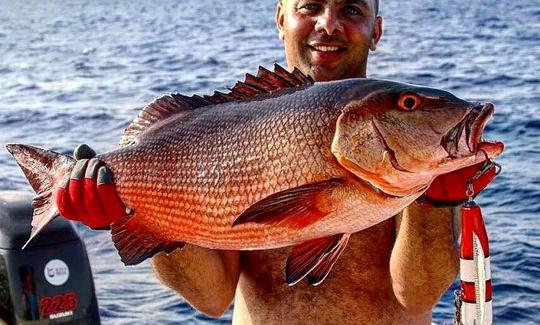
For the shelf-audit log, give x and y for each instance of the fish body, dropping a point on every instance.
(278, 161)
(199, 171)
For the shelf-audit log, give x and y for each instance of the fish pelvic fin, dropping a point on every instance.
(135, 242)
(265, 83)
(44, 170)
(314, 259)
(295, 208)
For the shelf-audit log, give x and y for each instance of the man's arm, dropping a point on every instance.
(205, 278)
(425, 258)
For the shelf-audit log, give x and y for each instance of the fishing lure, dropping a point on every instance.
(474, 298)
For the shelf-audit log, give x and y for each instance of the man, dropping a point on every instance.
(392, 273)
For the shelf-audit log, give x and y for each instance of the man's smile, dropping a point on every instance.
(322, 52)
(326, 48)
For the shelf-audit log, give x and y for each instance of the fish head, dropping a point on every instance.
(399, 137)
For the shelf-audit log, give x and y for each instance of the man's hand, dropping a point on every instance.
(451, 189)
(88, 194)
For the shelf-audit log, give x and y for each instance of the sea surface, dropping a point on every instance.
(79, 71)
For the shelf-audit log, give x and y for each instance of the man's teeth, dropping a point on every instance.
(326, 48)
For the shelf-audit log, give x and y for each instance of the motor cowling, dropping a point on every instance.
(48, 282)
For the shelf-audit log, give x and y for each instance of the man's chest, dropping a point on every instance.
(364, 260)
(358, 287)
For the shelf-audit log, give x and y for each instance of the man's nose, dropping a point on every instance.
(329, 22)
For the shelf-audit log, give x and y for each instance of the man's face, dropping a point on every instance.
(328, 39)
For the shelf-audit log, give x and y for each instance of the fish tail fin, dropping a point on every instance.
(44, 170)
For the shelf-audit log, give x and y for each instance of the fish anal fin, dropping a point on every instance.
(314, 259)
(320, 272)
(135, 242)
(251, 88)
(295, 208)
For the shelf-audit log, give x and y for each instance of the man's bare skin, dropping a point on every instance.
(375, 280)
(392, 273)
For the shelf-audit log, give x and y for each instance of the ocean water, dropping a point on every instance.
(79, 71)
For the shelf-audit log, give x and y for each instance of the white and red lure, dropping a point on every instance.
(475, 268)
(476, 292)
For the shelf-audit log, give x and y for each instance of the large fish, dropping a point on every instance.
(277, 161)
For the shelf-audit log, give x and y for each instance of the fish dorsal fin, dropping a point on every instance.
(267, 82)
(251, 88)
(159, 110)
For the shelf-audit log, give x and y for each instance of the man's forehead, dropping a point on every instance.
(363, 3)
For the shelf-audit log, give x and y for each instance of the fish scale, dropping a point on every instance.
(279, 161)
(186, 164)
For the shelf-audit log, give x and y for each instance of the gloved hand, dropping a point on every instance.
(451, 189)
(88, 194)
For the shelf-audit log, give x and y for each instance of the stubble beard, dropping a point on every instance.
(301, 59)
(341, 71)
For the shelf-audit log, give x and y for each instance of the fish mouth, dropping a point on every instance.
(466, 137)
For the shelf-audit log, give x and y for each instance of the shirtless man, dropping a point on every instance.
(392, 273)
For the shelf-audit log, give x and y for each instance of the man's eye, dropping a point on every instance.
(352, 11)
(309, 7)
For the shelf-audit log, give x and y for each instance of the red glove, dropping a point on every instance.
(88, 194)
(451, 189)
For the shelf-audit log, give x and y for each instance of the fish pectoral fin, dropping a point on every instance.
(135, 242)
(314, 259)
(296, 207)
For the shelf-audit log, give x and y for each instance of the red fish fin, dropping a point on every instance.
(44, 170)
(252, 87)
(296, 207)
(315, 257)
(320, 272)
(135, 242)
(297, 78)
(159, 110)
(268, 82)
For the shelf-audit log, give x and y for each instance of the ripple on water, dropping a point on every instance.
(85, 68)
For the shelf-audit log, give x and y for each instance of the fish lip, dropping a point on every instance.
(473, 125)
(477, 125)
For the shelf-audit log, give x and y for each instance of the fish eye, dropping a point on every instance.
(409, 102)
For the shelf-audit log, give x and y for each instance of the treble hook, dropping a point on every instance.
(489, 163)
(487, 166)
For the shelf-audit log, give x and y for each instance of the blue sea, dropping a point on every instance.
(79, 71)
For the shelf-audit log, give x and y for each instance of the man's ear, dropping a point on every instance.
(377, 33)
(280, 17)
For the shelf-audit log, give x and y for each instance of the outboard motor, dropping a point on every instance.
(50, 281)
